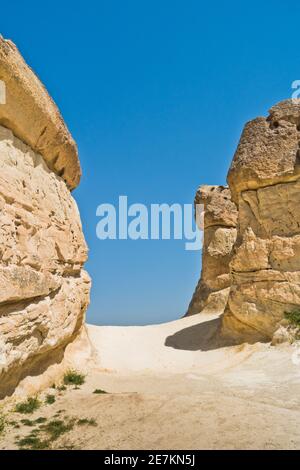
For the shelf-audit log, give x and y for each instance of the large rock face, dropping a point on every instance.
(264, 179)
(220, 218)
(44, 292)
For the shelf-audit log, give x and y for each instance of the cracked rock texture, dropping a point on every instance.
(264, 179)
(219, 223)
(44, 292)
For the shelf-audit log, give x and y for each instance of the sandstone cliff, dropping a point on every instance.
(259, 261)
(220, 218)
(264, 179)
(44, 292)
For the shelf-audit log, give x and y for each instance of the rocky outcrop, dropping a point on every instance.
(219, 224)
(33, 116)
(44, 292)
(264, 180)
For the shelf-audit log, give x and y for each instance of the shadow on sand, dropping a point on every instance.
(204, 336)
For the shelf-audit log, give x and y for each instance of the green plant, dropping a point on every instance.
(41, 438)
(40, 420)
(2, 424)
(61, 388)
(85, 421)
(57, 427)
(293, 317)
(50, 399)
(72, 377)
(33, 442)
(99, 391)
(27, 422)
(28, 406)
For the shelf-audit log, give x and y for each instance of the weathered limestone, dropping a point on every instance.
(44, 292)
(220, 217)
(33, 116)
(264, 179)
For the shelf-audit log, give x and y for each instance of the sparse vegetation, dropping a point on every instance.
(2, 424)
(28, 406)
(61, 388)
(72, 377)
(57, 427)
(42, 437)
(50, 399)
(40, 420)
(33, 442)
(27, 422)
(293, 317)
(88, 422)
(99, 391)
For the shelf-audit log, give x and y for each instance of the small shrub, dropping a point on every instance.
(28, 406)
(72, 377)
(61, 388)
(33, 443)
(293, 317)
(2, 424)
(27, 422)
(40, 420)
(57, 427)
(85, 421)
(50, 399)
(99, 391)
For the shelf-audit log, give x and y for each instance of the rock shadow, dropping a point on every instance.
(201, 337)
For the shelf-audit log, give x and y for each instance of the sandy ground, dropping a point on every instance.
(171, 386)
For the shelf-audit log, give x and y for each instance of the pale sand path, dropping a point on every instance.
(167, 397)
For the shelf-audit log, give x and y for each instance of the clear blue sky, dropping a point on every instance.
(155, 94)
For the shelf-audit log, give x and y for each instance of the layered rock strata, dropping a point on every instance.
(264, 180)
(44, 292)
(219, 224)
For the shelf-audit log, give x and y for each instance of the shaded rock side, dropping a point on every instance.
(44, 291)
(219, 224)
(264, 179)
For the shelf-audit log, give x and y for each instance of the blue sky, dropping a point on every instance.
(155, 94)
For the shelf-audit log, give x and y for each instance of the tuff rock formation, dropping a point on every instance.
(44, 292)
(261, 269)
(264, 180)
(219, 224)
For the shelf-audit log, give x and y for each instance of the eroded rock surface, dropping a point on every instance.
(44, 292)
(220, 217)
(264, 179)
(33, 116)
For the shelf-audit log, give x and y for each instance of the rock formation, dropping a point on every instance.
(262, 267)
(220, 218)
(44, 292)
(264, 180)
